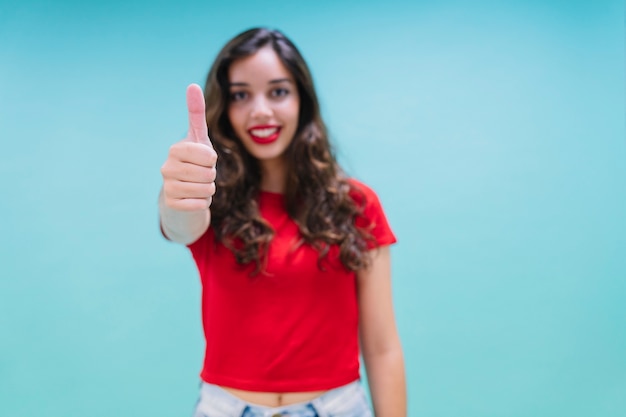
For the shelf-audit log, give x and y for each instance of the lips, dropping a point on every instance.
(265, 134)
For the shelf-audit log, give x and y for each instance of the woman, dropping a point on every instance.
(293, 256)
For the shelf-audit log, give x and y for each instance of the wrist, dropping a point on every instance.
(180, 226)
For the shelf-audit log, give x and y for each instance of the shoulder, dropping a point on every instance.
(362, 194)
(372, 215)
(354, 183)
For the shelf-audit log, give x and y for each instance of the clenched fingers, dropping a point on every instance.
(178, 190)
(187, 172)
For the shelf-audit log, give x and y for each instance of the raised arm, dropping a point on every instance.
(189, 177)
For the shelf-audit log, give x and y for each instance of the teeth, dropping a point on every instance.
(263, 133)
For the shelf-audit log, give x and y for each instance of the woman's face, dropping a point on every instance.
(264, 104)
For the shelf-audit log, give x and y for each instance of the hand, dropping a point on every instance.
(189, 170)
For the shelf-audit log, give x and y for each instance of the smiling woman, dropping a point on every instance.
(264, 107)
(293, 255)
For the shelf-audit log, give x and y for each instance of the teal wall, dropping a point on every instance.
(494, 133)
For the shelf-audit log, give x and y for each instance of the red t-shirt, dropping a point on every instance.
(293, 328)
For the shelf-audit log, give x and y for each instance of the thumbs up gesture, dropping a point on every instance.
(189, 170)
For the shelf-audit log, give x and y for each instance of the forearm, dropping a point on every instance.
(385, 375)
(183, 227)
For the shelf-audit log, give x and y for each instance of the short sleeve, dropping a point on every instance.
(200, 248)
(373, 219)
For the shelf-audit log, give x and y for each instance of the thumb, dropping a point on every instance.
(198, 131)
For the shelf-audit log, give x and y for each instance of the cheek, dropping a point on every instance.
(291, 111)
(238, 124)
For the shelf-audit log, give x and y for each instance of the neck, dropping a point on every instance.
(274, 175)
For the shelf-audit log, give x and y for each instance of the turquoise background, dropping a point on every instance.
(494, 133)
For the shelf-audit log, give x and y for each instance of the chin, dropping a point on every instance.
(266, 153)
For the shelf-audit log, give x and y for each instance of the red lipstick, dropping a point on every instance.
(264, 134)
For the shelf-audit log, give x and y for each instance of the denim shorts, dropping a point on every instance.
(345, 401)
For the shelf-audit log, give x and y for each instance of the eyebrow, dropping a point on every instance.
(276, 81)
(280, 80)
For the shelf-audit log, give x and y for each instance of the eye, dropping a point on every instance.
(238, 95)
(279, 92)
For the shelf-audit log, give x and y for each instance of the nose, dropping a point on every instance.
(261, 109)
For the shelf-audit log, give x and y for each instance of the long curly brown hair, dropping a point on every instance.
(317, 194)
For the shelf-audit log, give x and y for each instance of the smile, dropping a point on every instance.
(264, 134)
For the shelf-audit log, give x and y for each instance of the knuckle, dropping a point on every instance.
(165, 170)
(211, 174)
(167, 188)
(170, 202)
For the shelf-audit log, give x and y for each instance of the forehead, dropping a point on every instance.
(258, 68)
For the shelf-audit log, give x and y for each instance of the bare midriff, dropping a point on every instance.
(274, 399)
